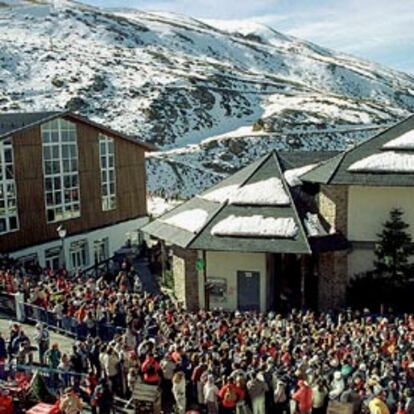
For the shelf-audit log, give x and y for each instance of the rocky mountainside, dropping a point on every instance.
(211, 96)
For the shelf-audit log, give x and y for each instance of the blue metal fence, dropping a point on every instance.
(71, 326)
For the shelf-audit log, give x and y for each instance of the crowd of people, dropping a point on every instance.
(213, 361)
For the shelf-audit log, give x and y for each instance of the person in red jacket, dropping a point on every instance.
(229, 394)
(151, 368)
(150, 360)
(303, 396)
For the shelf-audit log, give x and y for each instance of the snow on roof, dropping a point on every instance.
(293, 176)
(190, 220)
(220, 195)
(386, 162)
(256, 226)
(313, 225)
(157, 206)
(269, 192)
(405, 141)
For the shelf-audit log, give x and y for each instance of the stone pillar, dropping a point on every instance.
(333, 279)
(186, 277)
(333, 206)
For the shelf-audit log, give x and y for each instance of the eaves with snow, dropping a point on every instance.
(386, 159)
(253, 210)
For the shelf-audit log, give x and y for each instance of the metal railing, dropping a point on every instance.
(68, 325)
(98, 268)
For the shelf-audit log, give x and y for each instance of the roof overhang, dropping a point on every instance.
(78, 118)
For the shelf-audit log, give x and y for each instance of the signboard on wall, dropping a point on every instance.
(200, 265)
(217, 289)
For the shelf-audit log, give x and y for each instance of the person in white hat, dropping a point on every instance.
(337, 386)
(211, 392)
(42, 340)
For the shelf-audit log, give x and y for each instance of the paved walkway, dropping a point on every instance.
(149, 282)
(65, 343)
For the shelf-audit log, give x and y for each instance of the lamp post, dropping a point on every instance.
(62, 234)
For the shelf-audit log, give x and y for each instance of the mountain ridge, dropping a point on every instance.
(211, 98)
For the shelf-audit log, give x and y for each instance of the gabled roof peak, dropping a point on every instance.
(250, 196)
(372, 162)
(14, 122)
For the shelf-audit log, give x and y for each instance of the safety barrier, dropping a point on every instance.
(65, 325)
(55, 379)
(7, 304)
(69, 325)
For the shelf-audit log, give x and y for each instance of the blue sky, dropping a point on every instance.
(379, 30)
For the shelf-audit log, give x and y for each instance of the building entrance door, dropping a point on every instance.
(248, 291)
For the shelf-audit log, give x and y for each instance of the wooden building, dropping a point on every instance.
(61, 169)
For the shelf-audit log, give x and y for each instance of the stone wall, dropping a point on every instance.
(186, 277)
(333, 266)
(332, 283)
(178, 267)
(333, 206)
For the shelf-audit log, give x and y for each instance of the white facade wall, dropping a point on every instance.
(117, 235)
(368, 209)
(360, 260)
(225, 265)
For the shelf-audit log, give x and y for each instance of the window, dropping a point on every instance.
(60, 164)
(29, 259)
(8, 198)
(107, 162)
(79, 254)
(100, 250)
(53, 257)
(134, 238)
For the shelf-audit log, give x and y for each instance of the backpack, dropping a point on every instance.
(230, 395)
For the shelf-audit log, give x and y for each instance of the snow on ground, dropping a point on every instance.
(293, 175)
(405, 141)
(268, 192)
(190, 220)
(255, 226)
(385, 162)
(157, 206)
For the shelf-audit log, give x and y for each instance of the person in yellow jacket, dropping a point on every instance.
(377, 405)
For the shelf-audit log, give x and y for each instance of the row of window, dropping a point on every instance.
(8, 199)
(107, 162)
(78, 254)
(61, 175)
(60, 168)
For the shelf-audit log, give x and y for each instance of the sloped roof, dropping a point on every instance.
(218, 208)
(13, 122)
(296, 159)
(369, 163)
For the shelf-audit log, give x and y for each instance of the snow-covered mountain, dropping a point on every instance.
(176, 81)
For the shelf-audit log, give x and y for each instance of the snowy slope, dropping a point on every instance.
(231, 90)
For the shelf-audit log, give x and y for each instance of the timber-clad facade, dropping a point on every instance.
(37, 223)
